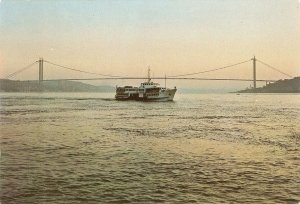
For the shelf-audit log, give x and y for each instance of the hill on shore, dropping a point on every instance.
(50, 86)
(281, 86)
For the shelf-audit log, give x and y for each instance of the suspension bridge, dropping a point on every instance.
(186, 76)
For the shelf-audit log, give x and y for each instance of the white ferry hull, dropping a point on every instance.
(167, 95)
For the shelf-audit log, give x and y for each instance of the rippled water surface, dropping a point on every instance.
(89, 148)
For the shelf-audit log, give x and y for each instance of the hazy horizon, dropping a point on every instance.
(172, 37)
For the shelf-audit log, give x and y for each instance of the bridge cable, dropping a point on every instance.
(211, 70)
(77, 70)
(20, 70)
(274, 68)
(171, 78)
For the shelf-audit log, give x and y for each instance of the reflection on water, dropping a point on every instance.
(89, 148)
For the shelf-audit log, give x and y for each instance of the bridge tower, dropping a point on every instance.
(41, 69)
(254, 72)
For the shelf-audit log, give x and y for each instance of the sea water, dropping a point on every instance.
(201, 148)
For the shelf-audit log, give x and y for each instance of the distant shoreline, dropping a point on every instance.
(281, 86)
(14, 86)
(50, 86)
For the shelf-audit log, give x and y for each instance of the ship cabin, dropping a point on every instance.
(152, 91)
(127, 89)
(149, 85)
(126, 93)
(149, 89)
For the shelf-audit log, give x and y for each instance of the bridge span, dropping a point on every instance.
(185, 76)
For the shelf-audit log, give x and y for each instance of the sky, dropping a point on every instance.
(124, 37)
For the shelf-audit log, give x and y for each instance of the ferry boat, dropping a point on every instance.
(148, 91)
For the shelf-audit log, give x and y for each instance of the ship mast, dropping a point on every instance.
(149, 77)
